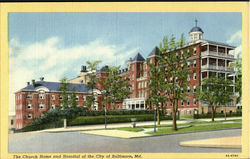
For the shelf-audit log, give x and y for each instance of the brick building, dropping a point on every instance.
(207, 58)
(40, 96)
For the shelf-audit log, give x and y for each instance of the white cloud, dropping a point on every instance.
(235, 38)
(52, 60)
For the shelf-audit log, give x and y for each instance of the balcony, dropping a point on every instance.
(218, 54)
(217, 68)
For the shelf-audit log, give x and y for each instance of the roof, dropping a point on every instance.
(196, 28)
(154, 51)
(138, 57)
(103, 69)
(54, 86)
(218, 43)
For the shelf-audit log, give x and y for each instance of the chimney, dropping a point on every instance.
(83, 68)
(33, 83)
(41, 78)
(28, 83)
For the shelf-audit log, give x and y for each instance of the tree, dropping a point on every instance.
(214, 91)
(64, 89)
(156, 85)
(238, 76)
(72, 101)
(116, 88)
(92, 66)
(174, 59)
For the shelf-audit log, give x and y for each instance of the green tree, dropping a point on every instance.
(174, 59)
(156, 85)
(92, 66)
(238, 76)
(72, 101)
(116, 88)
(214, 91)
(64, 96)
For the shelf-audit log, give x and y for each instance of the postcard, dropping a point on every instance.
(102, 80)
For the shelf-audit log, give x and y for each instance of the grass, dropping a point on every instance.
(186, 116)
(188, 127)
(194, 128)
(131, 129)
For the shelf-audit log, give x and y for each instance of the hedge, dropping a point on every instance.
(87, 120)
(209, 115)
(35, 127)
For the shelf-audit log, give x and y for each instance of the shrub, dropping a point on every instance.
(86, 120)
(209, 115)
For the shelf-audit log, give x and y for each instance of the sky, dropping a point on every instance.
(55, 45)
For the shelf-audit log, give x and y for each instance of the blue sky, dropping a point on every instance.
(55, 45)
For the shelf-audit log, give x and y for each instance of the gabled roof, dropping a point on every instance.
(102, 70)
(154, 51)
(54, 86)
(138, 57)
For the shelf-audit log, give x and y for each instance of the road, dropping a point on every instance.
(76, 142)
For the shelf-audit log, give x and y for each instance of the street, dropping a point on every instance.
(76, 142)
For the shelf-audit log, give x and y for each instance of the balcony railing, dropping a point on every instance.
(220, 54)
(218, 68)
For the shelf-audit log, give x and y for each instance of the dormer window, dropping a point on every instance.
(29, 96)
(41, 95)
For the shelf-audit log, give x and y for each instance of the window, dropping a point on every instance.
(194, 101)
(195, 51)
(77, 98)
(188, 64)
(60, 98)
(53, 106)
(194, 76)
(69, 97)
(41, 94)
(188, 103)
(182, 103)
(194, 63)
(29, 106)
(29, 96)
(29, 116)
(133, 77)
(194, 89)
(188, 89)
(84, 98)
(132, 85)
(53, 97)
(12, 122)
(188, 77)
(132, 67)
(145, 74)
(41, 106)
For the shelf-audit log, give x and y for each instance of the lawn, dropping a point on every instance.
(188, 127)
(131, 129)
(195, 128)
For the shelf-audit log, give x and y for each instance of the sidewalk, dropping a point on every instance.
(226, 142)
(101, 126)
(120, 125)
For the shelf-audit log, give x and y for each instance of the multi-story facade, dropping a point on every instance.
(207, 58)
(40, 96)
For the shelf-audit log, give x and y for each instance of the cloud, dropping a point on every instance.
(235, 38)
(53, 60)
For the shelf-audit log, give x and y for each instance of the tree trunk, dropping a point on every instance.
(174, 118)
(158, 116)
(225, 113)
(213, 113)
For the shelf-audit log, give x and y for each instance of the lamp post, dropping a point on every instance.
(154, 119)
(105, 116)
